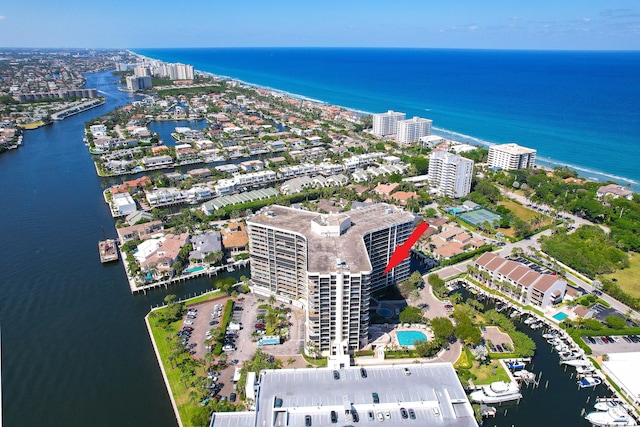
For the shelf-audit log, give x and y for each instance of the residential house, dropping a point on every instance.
(235, 238)
(139, 232)
(205, 244)
(167, 253)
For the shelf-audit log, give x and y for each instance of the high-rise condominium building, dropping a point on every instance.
(385, 124)
(410, 131)
(511, 156)
(450, 174)
(328, 264)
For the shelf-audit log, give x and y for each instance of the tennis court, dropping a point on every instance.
(479, 216)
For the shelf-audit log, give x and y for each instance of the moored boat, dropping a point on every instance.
(612, 417)
(497, 392)
(589, 381)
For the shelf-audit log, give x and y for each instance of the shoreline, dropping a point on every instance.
(583, 171)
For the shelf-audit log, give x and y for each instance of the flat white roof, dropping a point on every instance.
(624, 370)
(432, 391)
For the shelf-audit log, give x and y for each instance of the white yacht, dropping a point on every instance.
(497, 392)
(612, 417)
(576, 362)
(606, 404)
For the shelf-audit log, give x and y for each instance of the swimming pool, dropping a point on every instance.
(456, 210)
(194, 269)
(560, 316)
(385, 312)
(406, 338)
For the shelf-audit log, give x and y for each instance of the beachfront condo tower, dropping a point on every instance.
(511, 156)
(329, 265)
(410, 131)
(386, 124)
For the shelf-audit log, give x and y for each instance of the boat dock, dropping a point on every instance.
(211, 271)
(108, 250)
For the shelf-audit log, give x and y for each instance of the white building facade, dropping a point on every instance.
(385, 124)
(511, 156)
(328, 264)
(450, 174)
(410, 131)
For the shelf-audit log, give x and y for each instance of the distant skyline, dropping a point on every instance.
(471, 24)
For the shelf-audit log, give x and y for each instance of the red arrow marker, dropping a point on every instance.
(402, 251)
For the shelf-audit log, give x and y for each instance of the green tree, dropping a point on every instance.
(442, 328)
(615, 322)
(411, 314)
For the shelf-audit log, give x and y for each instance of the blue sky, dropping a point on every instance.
(476, 24)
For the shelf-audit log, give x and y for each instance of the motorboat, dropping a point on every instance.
(529, 320)
(585, 369)
(524, 375)
(606, 404)
(497, 392)
(576, 362)
(549, 335)
(589, 381)
(612, 417)
(515, 365)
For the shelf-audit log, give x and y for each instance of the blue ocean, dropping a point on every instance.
(577, 108)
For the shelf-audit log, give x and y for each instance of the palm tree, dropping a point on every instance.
(291, 361)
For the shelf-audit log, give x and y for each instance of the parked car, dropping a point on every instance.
(232, 397)
(363, 373)
(336, 375)
(371, 415)
(307, 420)
(334, 417)
(376, 398)
(403, 413)
(412, 414)
(188, 322)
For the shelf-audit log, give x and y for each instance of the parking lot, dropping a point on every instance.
(240, 345)
(618, 344)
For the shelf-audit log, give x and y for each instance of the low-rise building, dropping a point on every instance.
(614, 191)
(205, 244)
(519, 282)
(139, 232)
(122, 204)
(424, 394)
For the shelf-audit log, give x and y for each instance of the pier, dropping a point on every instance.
(211, 271)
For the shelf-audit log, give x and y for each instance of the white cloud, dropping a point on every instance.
(473, 27)
(1, 17)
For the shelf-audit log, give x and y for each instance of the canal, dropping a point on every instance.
(75, 349)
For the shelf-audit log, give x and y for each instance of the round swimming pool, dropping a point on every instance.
(407, 338)
(385, 312)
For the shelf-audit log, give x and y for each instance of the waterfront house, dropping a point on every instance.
(122, 204)
(139, 232)
(205, 244)
(235, 238)
(166, 254)
(157, 161)
(137, 216)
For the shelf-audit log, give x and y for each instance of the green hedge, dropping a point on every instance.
(217, 350)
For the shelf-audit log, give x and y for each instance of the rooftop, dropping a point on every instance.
(432, 390)
(348, 246)
(513, 149)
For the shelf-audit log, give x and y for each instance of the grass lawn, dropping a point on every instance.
(627, 278)
(524, 214)
(186, 408)
(180, 394)
(486, 374)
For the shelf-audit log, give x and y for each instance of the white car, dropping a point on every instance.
(188, 322)
(380, 417)
(228, 348)
(387, 414)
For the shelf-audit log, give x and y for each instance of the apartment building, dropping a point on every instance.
(511, 156)
(328, 264)
(520, 282)
(450, 174)
(385, 124)
(410, 131)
